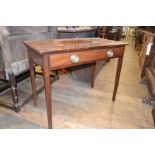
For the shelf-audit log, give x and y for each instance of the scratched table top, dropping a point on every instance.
(69, 45)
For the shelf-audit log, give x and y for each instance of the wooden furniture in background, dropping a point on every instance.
(150, 82)
(146, 54)
(138, 39)
(150, 76)
(111, 32)
(103, 31)
(115, 33)
(60, 53)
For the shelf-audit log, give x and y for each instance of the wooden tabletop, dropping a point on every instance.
(69, 45)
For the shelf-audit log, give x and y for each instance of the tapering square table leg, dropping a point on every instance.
(47, 84)
(118, 72)
(33, 82)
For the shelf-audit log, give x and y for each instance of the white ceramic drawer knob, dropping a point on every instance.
(74, 58)
(110, 53)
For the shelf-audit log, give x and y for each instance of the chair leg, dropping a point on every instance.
(13, 86)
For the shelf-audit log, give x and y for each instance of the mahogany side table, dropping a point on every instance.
(54, 54)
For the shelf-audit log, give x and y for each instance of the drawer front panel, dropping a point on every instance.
(67, 59)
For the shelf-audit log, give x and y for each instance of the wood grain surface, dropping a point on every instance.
(69, 45)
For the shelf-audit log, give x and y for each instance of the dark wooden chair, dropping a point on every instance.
(103, 31)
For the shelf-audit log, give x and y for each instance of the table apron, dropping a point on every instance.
(64, 59)
(35, 57)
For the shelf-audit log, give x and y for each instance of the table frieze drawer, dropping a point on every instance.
(76, 58)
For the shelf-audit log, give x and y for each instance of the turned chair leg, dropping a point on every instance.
(13, 86)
